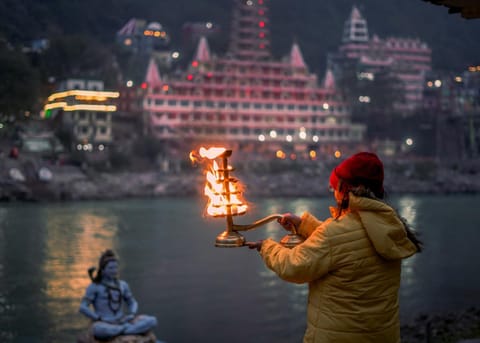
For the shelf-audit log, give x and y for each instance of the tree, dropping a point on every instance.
(19, 86)
(79, 56)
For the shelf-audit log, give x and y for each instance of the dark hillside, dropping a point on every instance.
(316, 25)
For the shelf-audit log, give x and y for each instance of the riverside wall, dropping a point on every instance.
(260, 178)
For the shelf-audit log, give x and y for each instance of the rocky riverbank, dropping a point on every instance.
(443, 328)
(308, 179)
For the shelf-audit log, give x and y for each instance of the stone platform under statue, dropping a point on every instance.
(149, 337)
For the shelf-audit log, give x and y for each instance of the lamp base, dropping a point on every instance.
(229, 239)
(291, 240)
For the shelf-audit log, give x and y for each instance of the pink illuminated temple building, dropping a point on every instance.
(249, 101)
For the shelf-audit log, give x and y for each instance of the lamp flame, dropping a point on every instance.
(224, 192)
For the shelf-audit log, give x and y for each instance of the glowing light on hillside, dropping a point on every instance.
(364, 99)
(280, 154)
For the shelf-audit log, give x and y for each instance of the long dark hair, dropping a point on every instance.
(107, 256)
(363, 191)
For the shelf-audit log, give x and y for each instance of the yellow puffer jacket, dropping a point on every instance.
(352, 265)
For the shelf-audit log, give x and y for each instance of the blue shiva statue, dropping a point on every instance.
(114, 312)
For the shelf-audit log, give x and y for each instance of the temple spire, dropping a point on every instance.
(152, 76)
(296, 57)
(329, 81)
(250, 33)
(355, 28)
(203, 51)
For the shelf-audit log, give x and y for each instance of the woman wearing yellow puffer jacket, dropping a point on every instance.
(351, 261)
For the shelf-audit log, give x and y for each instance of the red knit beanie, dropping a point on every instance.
(363, 168)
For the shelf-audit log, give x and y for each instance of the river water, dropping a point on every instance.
(200, 293)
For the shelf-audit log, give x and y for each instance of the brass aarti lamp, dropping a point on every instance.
(225, 199)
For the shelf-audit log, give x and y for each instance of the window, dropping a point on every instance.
(101, 116)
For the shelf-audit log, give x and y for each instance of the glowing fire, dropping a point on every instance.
(223, 191)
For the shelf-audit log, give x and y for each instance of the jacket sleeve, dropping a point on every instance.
(308, 224)
(304, 263)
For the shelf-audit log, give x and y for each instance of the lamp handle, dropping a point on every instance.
(260, 222)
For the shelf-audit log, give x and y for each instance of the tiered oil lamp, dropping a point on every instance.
(225, 199)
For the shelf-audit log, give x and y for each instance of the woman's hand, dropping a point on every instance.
(290, 221)
(254, 245)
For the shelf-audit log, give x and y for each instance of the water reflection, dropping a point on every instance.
(73, 243)
(199, 292)
(407, 209)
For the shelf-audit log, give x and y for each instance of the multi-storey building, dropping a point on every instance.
(141, 37)
(84, 109)
(405, 60)
(249, 101)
